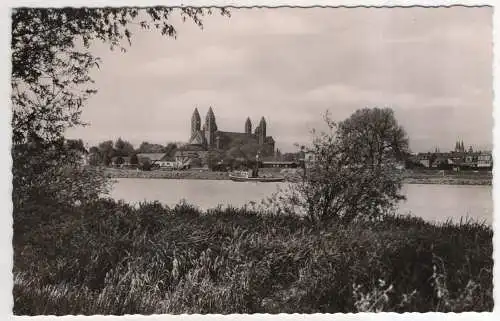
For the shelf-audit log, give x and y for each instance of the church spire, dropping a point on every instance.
(210, 119)
(210, 127)
(248, 126)
(195, 122)
(263, 125)
(262, 130)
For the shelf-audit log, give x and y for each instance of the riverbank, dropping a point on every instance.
(448, 181)
(111, 258)
(292, 177)
(164, 174)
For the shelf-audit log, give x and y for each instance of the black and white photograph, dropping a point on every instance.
(246, 160)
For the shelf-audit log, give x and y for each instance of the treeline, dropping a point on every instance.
(238, 154)
(112, 153)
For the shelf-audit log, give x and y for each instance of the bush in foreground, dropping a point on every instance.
(111, 258)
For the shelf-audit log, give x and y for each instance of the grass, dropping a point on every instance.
(111, 258)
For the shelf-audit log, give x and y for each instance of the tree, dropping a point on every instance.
(119, 160)
(145, 164)
(106, 152)
(94, 159)
(146, 147)
(123, 148)
(290, 157)
(51, 59)
(412, 164)
(106, 160)
(93, 150)
(235, 152)
(213, 158)
(432, 159)
(240, 149)
(134, 160)
(170, 148)
(250, 150)
(76, 144)
(47, 178)
(51, 82)
(354, 174)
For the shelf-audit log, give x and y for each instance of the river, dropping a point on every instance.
(435, 203)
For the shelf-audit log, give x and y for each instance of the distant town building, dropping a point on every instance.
(162, 160)
(424, 159)
(458, 158)
(120, 161)
(484, 160)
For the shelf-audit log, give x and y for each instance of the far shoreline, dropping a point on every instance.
(207, 175)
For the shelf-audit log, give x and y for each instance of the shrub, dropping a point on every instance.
(49, 179)
(354, 174)
(107, 257)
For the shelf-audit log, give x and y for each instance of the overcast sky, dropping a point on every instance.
(433, 66)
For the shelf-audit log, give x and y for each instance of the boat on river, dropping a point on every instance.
(245, 176)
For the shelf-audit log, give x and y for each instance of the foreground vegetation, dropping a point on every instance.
(107, 257)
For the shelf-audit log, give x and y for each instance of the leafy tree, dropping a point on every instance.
(134, 160)
(240, 149)
(373, 136)
(170, 148)
(289, 157)
(119, 160)
(412, 164)
(93, 150)
(105, 146)
(432, 159)
(213, 158)
(51, 59)
(145, 164)
(106, 152)
(106, 160)
(443, 165)
(51, 82)
(48, 176)
(235, 153)
(94, 159)
(123, 148)
(250, 150)
(146, 147)
(354, 174)
(76, 144)
(196, 162)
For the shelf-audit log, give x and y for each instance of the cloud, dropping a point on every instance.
(433, 66)
(207, 60)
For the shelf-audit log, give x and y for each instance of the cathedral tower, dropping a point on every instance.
(248, 126)
(210, 127)
(459, 146)
(262, 131)
(195, 122)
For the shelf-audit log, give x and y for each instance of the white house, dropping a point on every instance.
(484, 160)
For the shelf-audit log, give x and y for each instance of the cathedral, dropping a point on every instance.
(209, 137)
